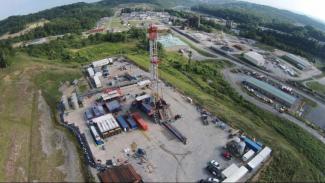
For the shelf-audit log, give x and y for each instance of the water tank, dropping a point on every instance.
(242, 146)
(237, 139)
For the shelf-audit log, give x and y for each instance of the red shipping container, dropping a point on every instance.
(140, 121)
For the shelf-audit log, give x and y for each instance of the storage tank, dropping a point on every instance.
(74, 101)
(237, 139)
(65, 102)
(242, 146)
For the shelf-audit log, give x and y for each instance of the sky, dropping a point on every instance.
(312, 8)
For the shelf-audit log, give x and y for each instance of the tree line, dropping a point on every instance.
(58, 49)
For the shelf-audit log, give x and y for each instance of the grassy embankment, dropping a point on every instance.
(297, 155)
(22, 157)
(316, 86)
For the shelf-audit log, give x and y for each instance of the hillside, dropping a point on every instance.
(267, 13)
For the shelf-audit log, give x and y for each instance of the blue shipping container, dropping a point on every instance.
(132, 123)
(252, 145)
(123, 123)
(101, 109)
(113, 106)
(96, 111)
(88, 114)
(146, 108)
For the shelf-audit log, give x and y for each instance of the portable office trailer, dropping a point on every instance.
(101, 63)
(123, 124)
(91, 72)
(95, 135)
(255, 162)
(237, 175)
(97, 81)
(144, 83)
(248, 155)
(266, 152)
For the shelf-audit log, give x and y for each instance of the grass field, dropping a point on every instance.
(316, 86)
(297, 155)
(31, 149)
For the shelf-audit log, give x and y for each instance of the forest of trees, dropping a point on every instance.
(58, 49)
(73, 18)
(5, 52)
(302, 40)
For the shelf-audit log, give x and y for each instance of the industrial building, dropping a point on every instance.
(297, 61)
(271, 91)
(123, 173)
(107, 125)
(254, 58)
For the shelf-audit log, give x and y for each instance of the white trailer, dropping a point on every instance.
(266, 152)
(102, 62)
(91, 72)
(255, 162)
(97, 82)
(248, 155)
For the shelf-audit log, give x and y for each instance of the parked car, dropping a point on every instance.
(210, 180)
(213, 170)
(227, 155)
(214, 163)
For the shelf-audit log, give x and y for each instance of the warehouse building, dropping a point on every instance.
(298, 62)
(107, 125)
(123, 173)
(254, 58)
(272, 92)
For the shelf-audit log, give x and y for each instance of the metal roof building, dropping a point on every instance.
(107, 125)
(254, 58)
(298, 62)
(271, 91)
(122, 173)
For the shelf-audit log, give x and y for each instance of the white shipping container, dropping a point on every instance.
(248, 155)
(101, 63)
(266, 152)
(91, 72)
(97, 82)
(236, 176)
(255, 162)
